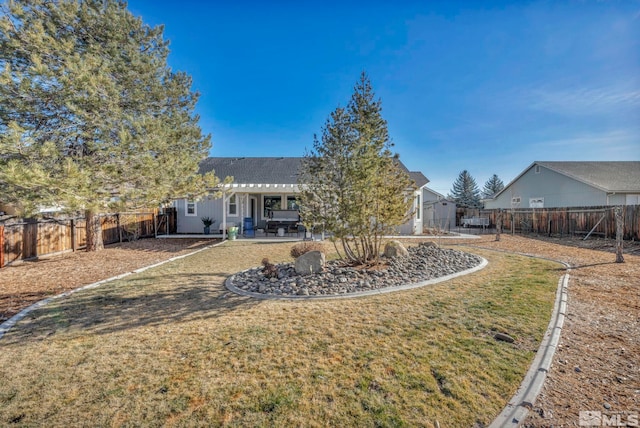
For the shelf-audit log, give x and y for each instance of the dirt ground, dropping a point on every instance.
(24, 283)
(596, 366)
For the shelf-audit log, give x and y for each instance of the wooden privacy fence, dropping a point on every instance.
(29, 239)
(600, 221)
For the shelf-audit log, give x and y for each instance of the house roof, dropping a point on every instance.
(623, 176)
(418, 178)
(270, 170)
(611, 176)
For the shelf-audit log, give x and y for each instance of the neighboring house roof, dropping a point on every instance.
(271, 170)
(612, 177)
(608, 176)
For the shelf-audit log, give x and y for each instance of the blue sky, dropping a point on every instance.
(488, 87)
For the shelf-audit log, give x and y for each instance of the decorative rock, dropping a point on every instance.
(311, 262)
(428, 244)
(424, 262)
(395, 249)
(504, 337)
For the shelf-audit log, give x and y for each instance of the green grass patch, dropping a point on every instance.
(171, 346)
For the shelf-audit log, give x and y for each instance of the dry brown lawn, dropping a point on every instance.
(171, 346)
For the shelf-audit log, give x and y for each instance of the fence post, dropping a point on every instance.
(1, 246)
(73, 235)
(619, 234)
(119, 228)
(155, 225)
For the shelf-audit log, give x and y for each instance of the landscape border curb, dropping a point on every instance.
(518, 407)
(11, 322)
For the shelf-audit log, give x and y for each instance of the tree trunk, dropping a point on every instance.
(619, 234)
(94, 231)
(498, 225)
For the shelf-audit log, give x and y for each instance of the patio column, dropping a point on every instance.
(224, 216)
(240, 202)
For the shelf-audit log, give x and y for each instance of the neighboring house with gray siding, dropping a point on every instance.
(261, 185)
(571, 184)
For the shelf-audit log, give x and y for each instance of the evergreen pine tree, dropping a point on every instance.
(355, 188)
(92, 119)
(492, 186)
(465, 191)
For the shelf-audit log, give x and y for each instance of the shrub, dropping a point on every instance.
(269, 270)
(304, 247)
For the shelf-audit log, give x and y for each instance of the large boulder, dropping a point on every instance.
(311, 262)
(395, 249)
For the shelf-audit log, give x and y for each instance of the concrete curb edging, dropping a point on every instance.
(228, 283)
(8, 324)
(516, 411)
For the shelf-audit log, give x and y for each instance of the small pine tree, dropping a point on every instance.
(465, 191)
(492, 186)
(354, 187)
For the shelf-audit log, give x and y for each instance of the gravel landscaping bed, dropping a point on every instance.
(424, 262)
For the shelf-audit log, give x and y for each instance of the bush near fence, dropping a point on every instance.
(25, 239)
(563, 222)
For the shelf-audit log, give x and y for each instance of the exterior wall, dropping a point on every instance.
(557, 191)
(192, 224)
(429, 195)
(440, 214)
(617, 199)
(204, 208)
(213, 208)
(632, 199)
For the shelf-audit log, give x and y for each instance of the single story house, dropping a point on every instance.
(261, 187)
(571, 184)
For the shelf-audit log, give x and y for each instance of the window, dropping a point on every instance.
(270, 203)
(537, 169)
(191, 209)
(292, 203)
(515, 201)
(232, 208)
(418, 207)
